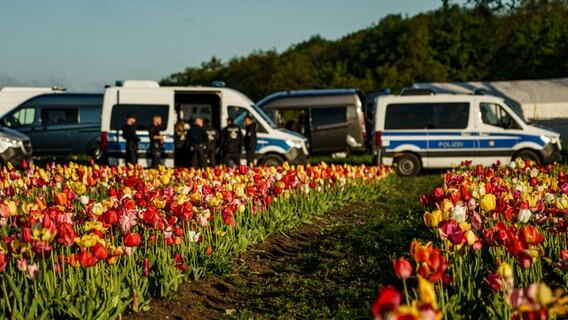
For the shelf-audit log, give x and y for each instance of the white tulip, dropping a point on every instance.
(459, 213)
(524, 215)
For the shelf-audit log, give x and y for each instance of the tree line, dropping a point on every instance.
(480, 41)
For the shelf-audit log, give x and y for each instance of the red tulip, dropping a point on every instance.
(388, 300)
(465, 194)
(531, 236)
(402, 268)
(3, 261)
(86, 259)
(132, 239)
(438, 194)
(99, 251)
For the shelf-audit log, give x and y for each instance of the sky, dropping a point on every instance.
(85, 44)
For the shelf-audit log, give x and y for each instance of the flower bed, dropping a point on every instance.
(499, 248)
(91, 242)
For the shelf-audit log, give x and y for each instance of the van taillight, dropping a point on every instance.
(378, 137)
(362, 124)
(104, 140)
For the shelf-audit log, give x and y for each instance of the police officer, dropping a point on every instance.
(250, 140)
(231, 143)
(156, 140)
(198, 139)
(211, 145)
(129, 134)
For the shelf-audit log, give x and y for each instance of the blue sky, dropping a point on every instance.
(84, 44)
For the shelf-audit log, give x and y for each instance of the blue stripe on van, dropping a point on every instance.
(272, 142)
(492, 141)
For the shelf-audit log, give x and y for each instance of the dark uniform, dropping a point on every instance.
(155, 145)
(231, 144)
(129, 134)
(250, 143)
(198, 138)
(211, 145)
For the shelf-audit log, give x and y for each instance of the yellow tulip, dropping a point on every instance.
(160, 204)
(97, 209)
(87, 240)
(13, 208)
(543, 294)
(432, 219)
(505, 271)
(427, 293)
(488, 202)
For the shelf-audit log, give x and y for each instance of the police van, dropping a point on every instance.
(144, 99)
(428, 130)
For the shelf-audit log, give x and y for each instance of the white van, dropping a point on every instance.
(11, 97)
(146, 98)
(427, 130)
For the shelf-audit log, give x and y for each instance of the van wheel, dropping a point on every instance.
(528, 155)
(272, 160)
(96, 152)
(408, 165)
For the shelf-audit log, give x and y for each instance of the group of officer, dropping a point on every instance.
(202, 144)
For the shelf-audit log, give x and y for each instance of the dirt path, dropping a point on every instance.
(214, 298)
(327, 269)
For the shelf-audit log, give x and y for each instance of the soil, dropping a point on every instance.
(214, 297)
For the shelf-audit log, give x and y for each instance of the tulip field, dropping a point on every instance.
(497, 250)
(99, 242)
(96, 242)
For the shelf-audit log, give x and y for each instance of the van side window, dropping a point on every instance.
(328, 116)
(450, 115)
(90, 114)
(21, 118)
(143, 114)
(494, 115)
(56, 116)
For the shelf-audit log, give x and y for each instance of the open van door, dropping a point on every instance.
(329, 127)
(143, 103)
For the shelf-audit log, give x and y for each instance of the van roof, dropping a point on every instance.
(305, 93)
(438, 97)
(58, 98)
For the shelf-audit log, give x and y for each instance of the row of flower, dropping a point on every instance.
(499, 248)
(91, 242)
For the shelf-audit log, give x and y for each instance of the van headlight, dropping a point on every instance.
(295, 143)
(549, 139)
(6, 143)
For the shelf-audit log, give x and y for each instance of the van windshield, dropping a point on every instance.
(517, 110)
(264, 116)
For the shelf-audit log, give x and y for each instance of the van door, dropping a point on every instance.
(59, 128)
(498, 133)
(328, 129)
(450, 139)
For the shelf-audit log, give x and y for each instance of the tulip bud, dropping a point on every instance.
(402, 268)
